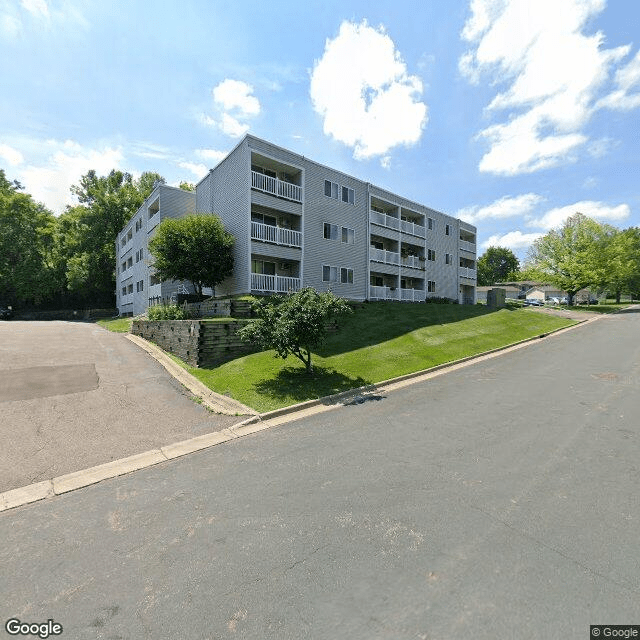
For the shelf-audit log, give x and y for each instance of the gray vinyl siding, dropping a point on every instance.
(228, 187)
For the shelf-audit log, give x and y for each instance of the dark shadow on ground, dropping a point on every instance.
(295, 382)
(635, 309)
(377, 322)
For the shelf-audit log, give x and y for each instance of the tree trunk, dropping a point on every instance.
(618, 292)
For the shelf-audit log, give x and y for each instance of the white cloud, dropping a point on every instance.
(10, 26)
(364, 94)
(506, 207)
(626, 79)
(198, 170)
(597, 210)
(234, 105)
(49, 182)
(213, 155)
(551, 74)
(10, 155)
(514, 240)
(37, 8)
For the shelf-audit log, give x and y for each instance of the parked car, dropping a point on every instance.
(564, 300)
(553, 301)
(534, 302)
(6, 312)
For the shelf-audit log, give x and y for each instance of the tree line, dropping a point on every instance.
(581, 253)
(69, 260)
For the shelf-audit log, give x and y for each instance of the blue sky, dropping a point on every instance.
(510, 114)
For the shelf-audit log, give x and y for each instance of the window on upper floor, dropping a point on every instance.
(430, 224)
(431, 255)
(346, 275)
(129, 262)
(263, 267)
(330, 231)
(447, 229)
(263, 219)
(331, 189)
(448, 258)
(348, 235)
(348, 195)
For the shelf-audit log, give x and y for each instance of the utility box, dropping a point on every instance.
(496, 298)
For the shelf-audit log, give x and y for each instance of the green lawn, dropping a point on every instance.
(609, 307)
(118, 325)
(377, 342)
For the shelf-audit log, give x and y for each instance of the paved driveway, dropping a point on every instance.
(73, 395)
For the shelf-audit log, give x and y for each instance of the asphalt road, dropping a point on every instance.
(496, 501)
(73, 395)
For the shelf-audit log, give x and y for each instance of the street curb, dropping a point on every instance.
(212, 400)
(256, 423)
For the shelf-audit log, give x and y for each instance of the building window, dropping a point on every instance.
(130, 288)
(348, 195)
(141, 254)
(330, 231)
(348, 235)
(346, 276)
(129, 262)
(331, 189)
(153, 280)
(263, 267)
(431, 255)
(447, 229)
(329, 274)
(430, 224)
(431, 286)
(123, 267)
(129, 235)
(263, 219)
(124, 291)
(376, 281)
(448, 258)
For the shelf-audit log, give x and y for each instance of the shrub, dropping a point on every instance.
(169, 312)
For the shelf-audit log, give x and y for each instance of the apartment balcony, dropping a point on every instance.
(276, 187)
(383, 293)
(384, 220)
(381, 255)
(413, 261)
(276, 235)
(412, 295)
(468, 246)
(466, 272)
(274, 284)
(412, 228)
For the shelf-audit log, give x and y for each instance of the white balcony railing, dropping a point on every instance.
(413, 261)
(274, 284)
(466, 272)
(383, 293)
(413, 228)
(468, 246)
(276, 187)
(381, 255)
(413, 295)
(384, 220)
(277, 235)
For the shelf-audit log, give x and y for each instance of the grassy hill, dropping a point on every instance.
(377, 342)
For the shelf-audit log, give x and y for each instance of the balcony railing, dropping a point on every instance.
(384, 220)
(413, 295)
(381, 255)
(468, 246)
(466, 272)
(413, 228)
(413, 261)
(276, 187)
(277, 235)
(274, 284)
(383, 293)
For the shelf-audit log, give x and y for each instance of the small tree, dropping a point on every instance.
(195, 248)
(294, 324)
(496, 264)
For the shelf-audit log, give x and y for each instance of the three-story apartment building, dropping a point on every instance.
(298, 223)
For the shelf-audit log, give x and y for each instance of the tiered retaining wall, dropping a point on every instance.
(221, 308)
(198, 343)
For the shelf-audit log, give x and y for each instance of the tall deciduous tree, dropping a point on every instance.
(195, 248)
(571, 256)
(495, 265)
(621, 256)
(27, 273)
(295, 324)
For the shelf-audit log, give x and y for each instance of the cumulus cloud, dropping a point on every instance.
(212, 155)
(551, 73)
(10, 155)
(234, 104)
(627, 79)
(597, 210)
(363, 92)
(506, 207)
(49, 182)
(198, 170)
(37, 8)
(514, 240)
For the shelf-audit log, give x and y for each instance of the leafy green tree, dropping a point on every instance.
(496, 264)
(27, 271)
(294, 324)
(86, 233)
(187, 186)
(570, 257)
(195, 248)
(621, 256)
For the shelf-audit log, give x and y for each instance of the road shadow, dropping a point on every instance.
(296, 383)
(377, 322)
